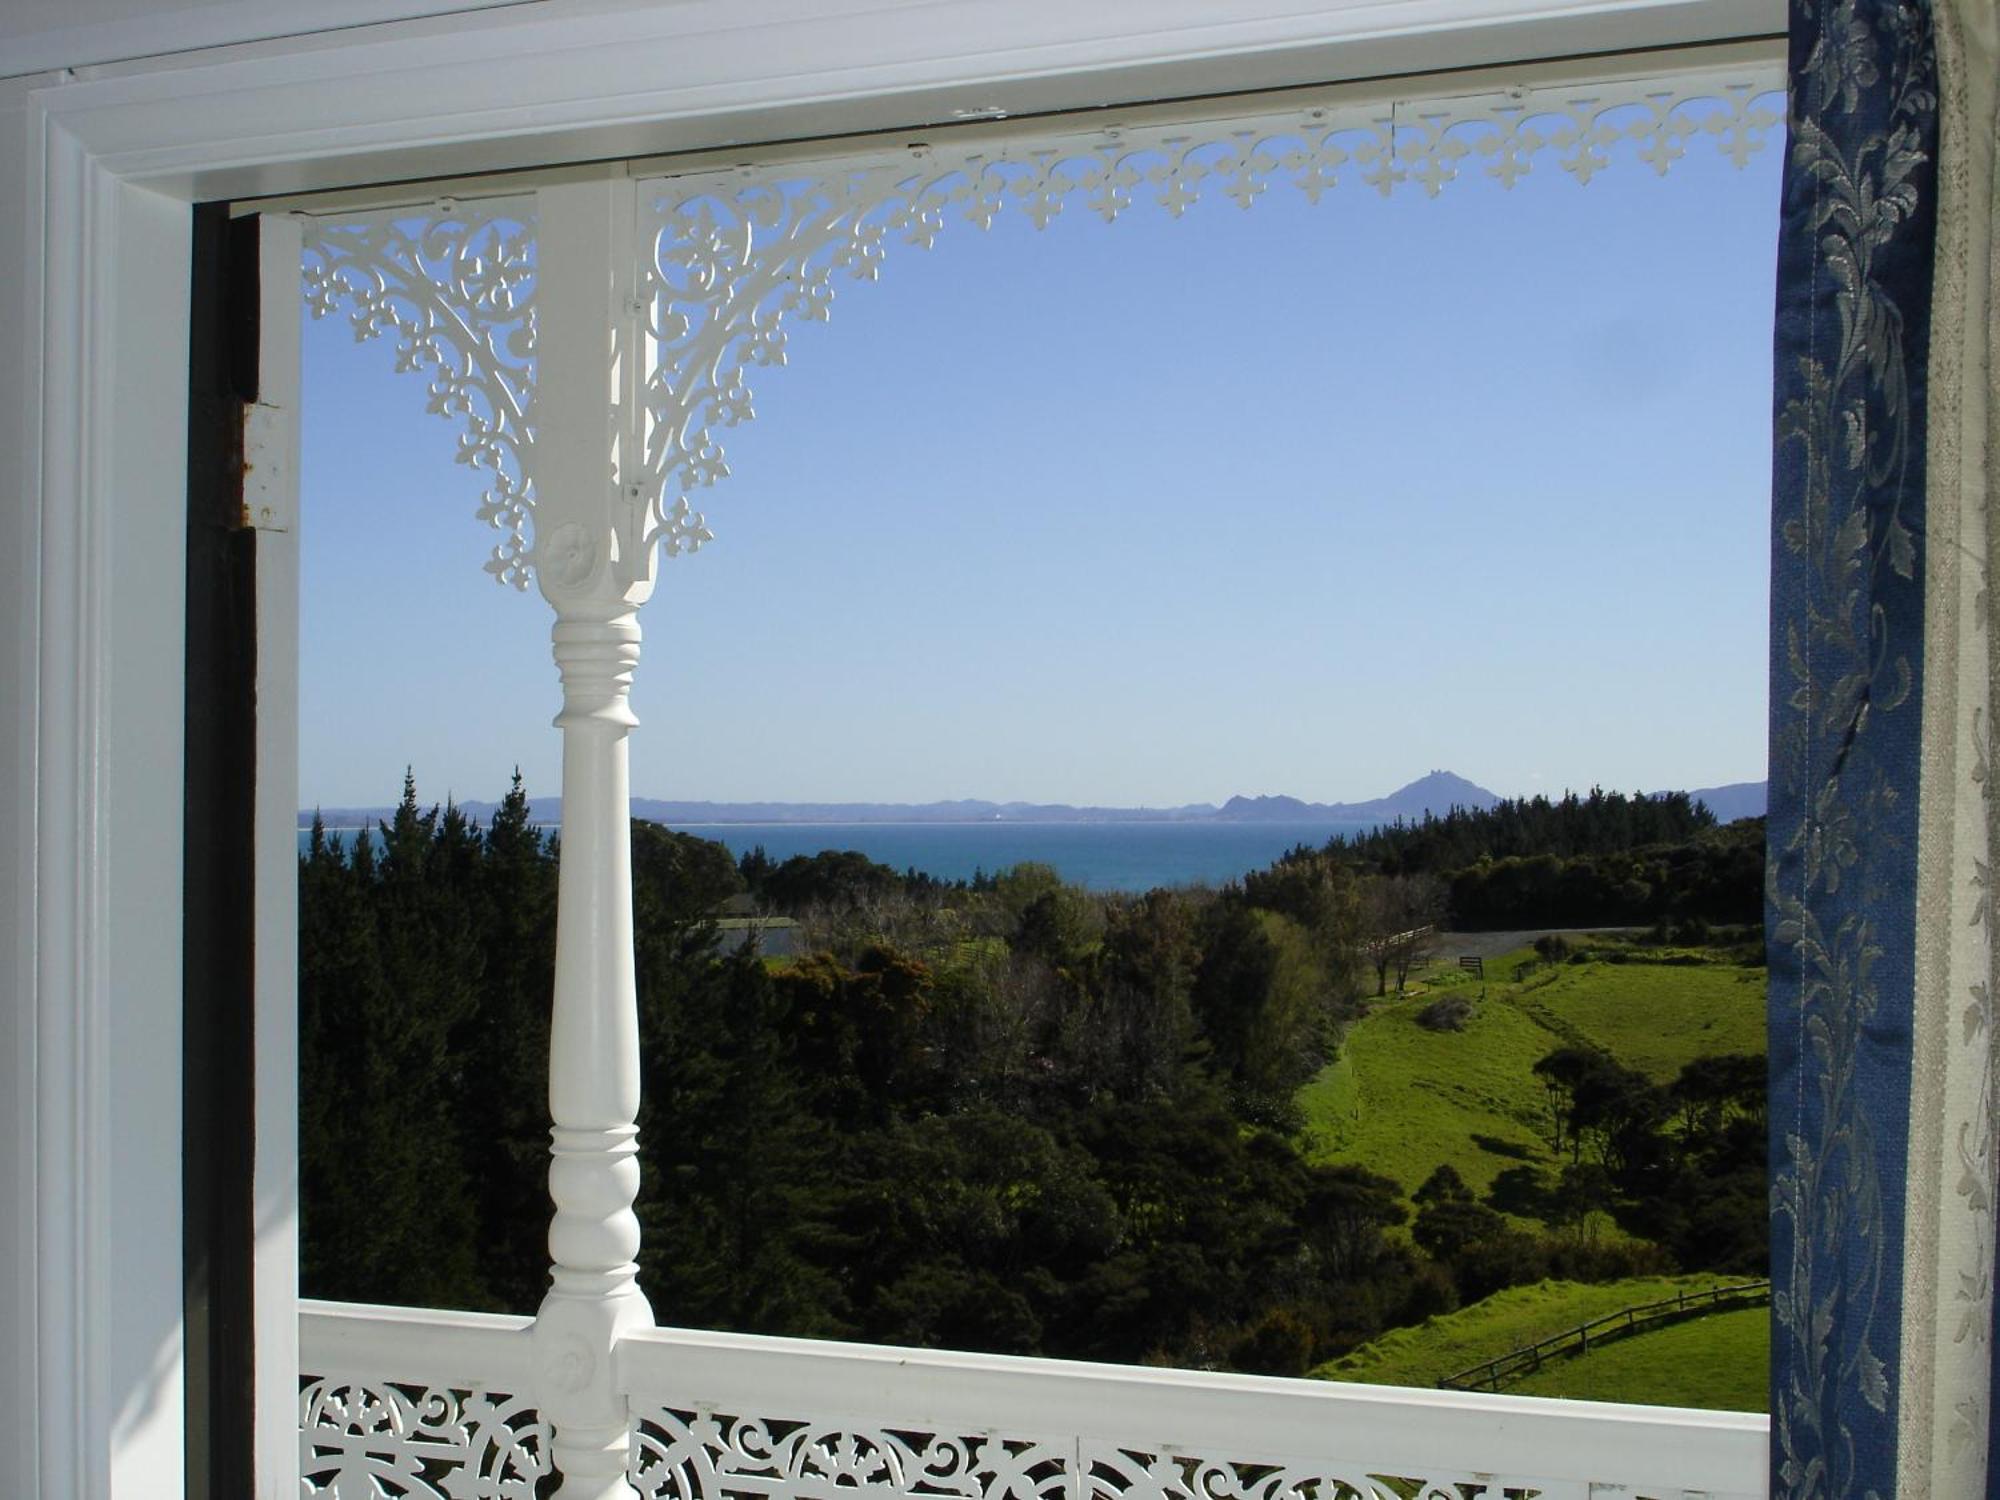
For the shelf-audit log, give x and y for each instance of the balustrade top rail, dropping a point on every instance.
(427, 1345)
(719, 1414)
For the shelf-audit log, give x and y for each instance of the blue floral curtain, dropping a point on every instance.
(1882, 1034)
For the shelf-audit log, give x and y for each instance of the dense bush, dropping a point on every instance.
(1056, 1123)
(1004, 1115)
(1596, 860)
(1519, 828)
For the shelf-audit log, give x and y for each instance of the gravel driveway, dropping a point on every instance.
(1456, 945)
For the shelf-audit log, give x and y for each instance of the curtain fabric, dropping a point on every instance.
(1883, 697)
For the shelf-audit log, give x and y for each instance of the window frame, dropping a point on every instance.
(94, 347)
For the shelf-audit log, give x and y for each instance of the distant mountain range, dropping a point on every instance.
(967, 810)
(1740, 799)
(1438, 792)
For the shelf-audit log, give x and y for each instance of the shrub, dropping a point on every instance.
(1432, 1293)
(1608, 1261)
(1280, 1344)
(1448, 1014)
(1507, 1259)
(1447, 1226)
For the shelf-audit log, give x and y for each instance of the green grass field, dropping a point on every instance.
(1656, 1017)
(1502, 1323)
(1402, 1100)
(1721, 1362)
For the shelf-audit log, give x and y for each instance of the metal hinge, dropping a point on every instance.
(269, 486)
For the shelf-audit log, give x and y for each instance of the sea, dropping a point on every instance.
(1097, 856)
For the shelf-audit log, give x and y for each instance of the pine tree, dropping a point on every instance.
(506, 1094)
(389, 967)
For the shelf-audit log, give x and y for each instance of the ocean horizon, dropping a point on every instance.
(1102, 856)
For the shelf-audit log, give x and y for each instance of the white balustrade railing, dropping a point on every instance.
(417, 1402)
(424, 1403)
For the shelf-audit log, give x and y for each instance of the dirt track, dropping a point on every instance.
(1455, 945)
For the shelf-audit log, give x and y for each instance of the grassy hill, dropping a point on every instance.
(1654, 1016)
(1721, 1361)
(1403, 1100)
(1423, 1355)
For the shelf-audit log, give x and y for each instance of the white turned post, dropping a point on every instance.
(594, 567)
(593, 1065)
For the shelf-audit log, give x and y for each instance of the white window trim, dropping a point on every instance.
(93, 361)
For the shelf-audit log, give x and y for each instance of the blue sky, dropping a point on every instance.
(1304, 499)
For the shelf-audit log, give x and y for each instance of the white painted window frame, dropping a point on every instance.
(93, 384)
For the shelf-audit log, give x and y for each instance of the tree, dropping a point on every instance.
(755, 867)
(390, 971)
(1141, 1019)
(1562, 1072)
(679, 880)
(1618, 1112)
(739, 1199)
(1345, 1211)
(1322, 895)
(1057, 925)
(864, 1029)
(1583, 1190)
(833, 878)
(1443, 1186)
(506, 1089)
(1401, 913)
(1443, 1229)
(1264, 1005)
(1710, 1091)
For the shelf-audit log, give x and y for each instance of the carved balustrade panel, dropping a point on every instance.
(428, 1403)
(394, 1439)
(690, 1455)
(1116, 1473)
(387, 1438)
(681, 1455)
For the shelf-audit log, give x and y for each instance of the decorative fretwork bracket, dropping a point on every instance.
(708, 269)
(733, 256)
(454, 286)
